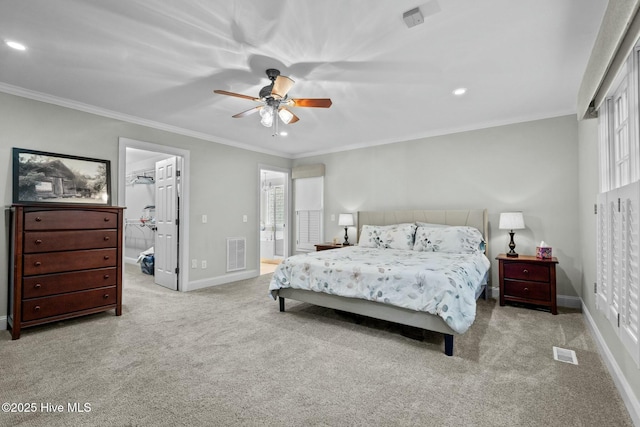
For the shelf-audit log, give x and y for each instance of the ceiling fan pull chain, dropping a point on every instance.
(275, 121)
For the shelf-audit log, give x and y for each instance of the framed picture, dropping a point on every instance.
(40, 177)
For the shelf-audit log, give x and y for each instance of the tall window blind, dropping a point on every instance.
(309, 201)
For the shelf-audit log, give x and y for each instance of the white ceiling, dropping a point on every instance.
(157, 62)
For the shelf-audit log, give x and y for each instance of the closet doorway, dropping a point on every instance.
(274, 218)
(152, 189)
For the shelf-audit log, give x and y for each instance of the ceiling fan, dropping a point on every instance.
(275, 101)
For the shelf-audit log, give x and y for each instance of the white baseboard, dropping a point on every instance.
(221, 280)
(629, 398)
(562, 300)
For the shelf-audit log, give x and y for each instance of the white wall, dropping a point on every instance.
(532, 167)
(224, 179)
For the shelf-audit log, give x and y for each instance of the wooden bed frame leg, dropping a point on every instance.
(281, 301)
(448, 344)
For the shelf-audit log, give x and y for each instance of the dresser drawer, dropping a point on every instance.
(69, 220)
(526, 271)
(527, 290)
(57, 262)
(50, 241)
(50, 284)
(39, 308)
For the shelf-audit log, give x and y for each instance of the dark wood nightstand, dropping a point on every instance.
(327, 246)
(528, 279)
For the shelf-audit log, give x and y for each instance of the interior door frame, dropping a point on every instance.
(287, 206)
(183, 202)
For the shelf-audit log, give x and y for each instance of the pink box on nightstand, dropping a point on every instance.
(543, 252)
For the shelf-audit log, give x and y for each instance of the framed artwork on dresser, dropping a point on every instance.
(41, 177)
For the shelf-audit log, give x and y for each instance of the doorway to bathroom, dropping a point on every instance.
(274, 221)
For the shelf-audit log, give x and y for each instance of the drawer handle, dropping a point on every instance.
(106, 276)
(37, 263)
(106, 219)
(38, 219)
(106, 257)
(105, 296)
(38, 242)
(526, 289)
(525, 271)
(37, 286)
(106, 238)
(36, 308)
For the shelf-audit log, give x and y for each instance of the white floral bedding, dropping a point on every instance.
(435, 282)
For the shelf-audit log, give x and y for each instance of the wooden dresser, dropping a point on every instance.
(67, 262)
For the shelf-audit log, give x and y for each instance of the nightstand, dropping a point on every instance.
(327, 246)
(528, 279)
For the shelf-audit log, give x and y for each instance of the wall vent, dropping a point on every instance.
(564, 355)
(236, 253)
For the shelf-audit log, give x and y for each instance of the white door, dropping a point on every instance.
(166, 245)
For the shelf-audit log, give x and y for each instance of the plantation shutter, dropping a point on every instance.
(629, 267)
(618, 263)
(602, 264)
(309, 205)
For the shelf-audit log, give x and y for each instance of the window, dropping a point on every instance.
(618, 208)
(618, 122)
(309, 212)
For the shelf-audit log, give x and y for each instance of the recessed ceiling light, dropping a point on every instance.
(15, 45)
(460, 91)
(284, 133)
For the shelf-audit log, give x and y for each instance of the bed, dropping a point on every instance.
(421, 280)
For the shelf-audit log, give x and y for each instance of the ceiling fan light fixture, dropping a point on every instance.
(285, 115)
(267, 116)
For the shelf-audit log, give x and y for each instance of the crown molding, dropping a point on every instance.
(92, 109)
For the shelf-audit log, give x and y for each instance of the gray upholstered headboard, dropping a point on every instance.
(477, 218)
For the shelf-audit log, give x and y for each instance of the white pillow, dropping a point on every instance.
(397, 236)
(454, 239)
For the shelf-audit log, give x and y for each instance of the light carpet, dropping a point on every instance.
(226, 356)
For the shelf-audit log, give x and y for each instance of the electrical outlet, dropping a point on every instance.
(244, 218)
(204, 219)
(204, 263)
(194, 263)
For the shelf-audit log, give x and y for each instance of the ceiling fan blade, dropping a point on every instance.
(287, 116)
(248, 112)
(281, 86)
(237, 95)
(311, 102)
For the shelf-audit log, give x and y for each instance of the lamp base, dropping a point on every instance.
(346, 238)
(512, 246)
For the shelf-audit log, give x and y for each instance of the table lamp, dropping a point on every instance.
(511, 221)
(345, 220)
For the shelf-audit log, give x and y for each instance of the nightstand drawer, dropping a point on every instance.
(526, 271)
(527, 290)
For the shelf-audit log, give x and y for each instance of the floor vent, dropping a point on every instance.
(236, 254)
(564, 355)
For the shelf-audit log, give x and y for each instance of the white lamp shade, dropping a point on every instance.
(345, 220)
(285, 115)
(511, 221)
